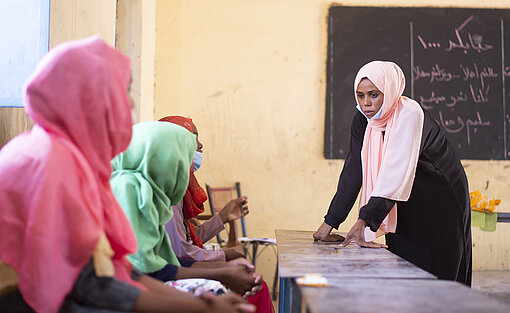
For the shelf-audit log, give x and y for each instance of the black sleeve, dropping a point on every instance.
(136, 274)
(96, 293)
(375, 211)
(349, 183)
(166, 273)
(186, 262)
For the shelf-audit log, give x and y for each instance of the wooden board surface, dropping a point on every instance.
(363, 295)
(299, 254)
(13, 121)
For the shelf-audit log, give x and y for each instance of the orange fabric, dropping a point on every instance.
(193, 201)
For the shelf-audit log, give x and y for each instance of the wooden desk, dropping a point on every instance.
(363, 295)
(366, 280)
(299, 255)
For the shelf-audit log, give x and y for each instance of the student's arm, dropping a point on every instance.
(162, 298)
(216, 264)
(210, 228)
(240, 261)
(238, 278)
(185, 249)
(232, 211)
(233, 253)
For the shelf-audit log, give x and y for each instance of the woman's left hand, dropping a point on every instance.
(357, 235)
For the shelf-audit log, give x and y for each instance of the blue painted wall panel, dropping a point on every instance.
(24, 36)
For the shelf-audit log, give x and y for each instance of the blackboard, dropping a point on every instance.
(456, 62)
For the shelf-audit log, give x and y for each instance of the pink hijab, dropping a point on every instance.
(55, 192)
(389, 165)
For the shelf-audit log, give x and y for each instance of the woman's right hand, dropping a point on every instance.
(324, 234)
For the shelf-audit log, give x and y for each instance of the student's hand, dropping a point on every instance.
(324, 234)
(238, 278)
(232, 254)
(229, 303)
(234, 210)
(208, 297)
(257, 286)
(357, 235)
(242, 261)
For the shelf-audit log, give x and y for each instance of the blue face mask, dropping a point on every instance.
(376, 116)
(197, 160)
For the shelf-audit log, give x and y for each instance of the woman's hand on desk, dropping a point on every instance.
(324, 234)
(357, 235)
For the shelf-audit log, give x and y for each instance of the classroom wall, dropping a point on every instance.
(252, 76)
(73, 19)
(136, 37)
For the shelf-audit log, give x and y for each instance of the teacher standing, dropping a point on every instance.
(400, 158)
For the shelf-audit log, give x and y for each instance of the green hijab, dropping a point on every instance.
(148, 178)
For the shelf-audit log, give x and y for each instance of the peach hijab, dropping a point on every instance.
(55, 194)
(389, 162)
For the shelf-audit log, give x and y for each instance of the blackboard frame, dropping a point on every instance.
(476, 128)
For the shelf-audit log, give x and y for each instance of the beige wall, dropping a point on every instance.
(73, 19)
(251, 74)
(136, 37)
(147, 59)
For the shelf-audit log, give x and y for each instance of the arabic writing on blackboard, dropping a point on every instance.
(454, 62)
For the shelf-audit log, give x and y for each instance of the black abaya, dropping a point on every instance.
(434, 224)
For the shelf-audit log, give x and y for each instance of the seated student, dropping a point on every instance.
(185, 241)
(147, 179)
(62, 230)
(187, 238)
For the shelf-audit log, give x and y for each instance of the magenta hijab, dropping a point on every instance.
(55, 192)
(389, 163)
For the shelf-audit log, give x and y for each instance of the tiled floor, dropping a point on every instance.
(494, 283)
